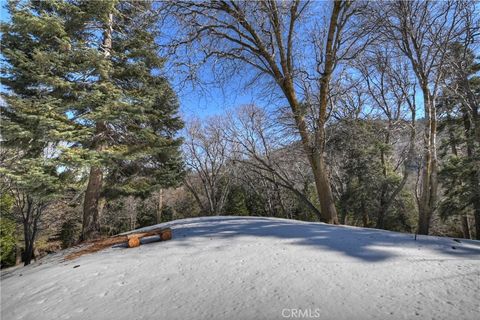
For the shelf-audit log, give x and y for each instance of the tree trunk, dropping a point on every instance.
(381, 217)
(476, 201)
(28, 253)
(424, 220)
(328, 211)
(343, 218)
(476, 214)
(465, 227)
(315, 149)
(475, 182)
(160, 206)
(29, 230)
(91, 224)
(324, 190)
(470, 124)
(473, 137)
(427, 199)
(428, 192)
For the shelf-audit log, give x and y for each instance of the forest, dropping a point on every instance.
(362, 113)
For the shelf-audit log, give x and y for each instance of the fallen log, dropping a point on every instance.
(132, 240)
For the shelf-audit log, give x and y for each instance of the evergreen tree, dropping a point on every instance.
(106, 105)
(30, 169)
(460, 172)
(369, 177)
(8, 239)
(236, 202)
(133, 110)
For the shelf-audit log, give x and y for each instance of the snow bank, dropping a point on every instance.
(255, 268)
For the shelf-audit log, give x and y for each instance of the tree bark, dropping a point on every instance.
(28, 253)
(472, 129)
(465, 227)
(315, 149)
(30, 223)
(328, 211)
(91, 223)
(476, 214)
(429, 183)
(92, 206)
(160, 206)
(322, 181)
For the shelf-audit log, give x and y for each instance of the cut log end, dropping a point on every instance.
(166, 235)
(133, 242)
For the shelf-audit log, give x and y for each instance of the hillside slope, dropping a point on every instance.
(255, 268)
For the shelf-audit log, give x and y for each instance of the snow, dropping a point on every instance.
(255, 268)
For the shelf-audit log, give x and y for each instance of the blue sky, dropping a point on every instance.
(212, 100)
(3, 18)
(193, 102)
(3, 12)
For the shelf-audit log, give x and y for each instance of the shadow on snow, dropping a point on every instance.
(355, 242)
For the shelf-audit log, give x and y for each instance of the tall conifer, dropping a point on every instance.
(107, 106)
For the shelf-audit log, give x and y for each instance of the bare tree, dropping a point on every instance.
(263, 148)
(392, 93)
(421, 31)
(131, 211)
(206, 155)
(265, 36)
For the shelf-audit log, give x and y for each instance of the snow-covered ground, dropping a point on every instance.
(255, 268)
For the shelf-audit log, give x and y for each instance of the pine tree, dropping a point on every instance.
(135, 114)
(460, 172)
(30, 169)
(236, 202)
(111, 111)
